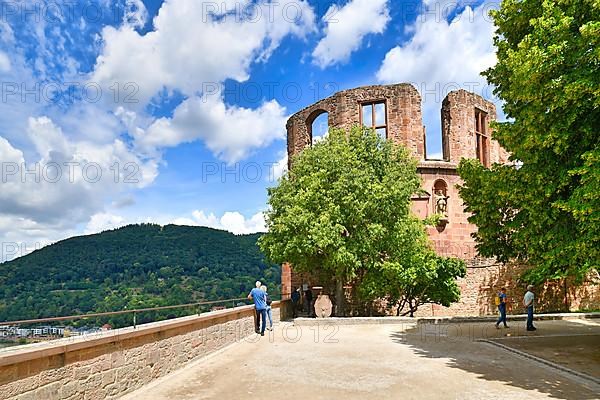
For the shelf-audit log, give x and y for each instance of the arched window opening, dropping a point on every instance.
(318, 125)
(320, 128)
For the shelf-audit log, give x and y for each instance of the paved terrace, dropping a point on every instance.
(394, 361)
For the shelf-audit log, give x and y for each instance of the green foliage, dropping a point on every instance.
(343, 212)
(413, 274)
(138, 266)
(545, 212)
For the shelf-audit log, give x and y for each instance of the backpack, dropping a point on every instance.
(269, 301)
(498, 300)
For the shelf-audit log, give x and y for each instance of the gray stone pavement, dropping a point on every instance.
(376, 361)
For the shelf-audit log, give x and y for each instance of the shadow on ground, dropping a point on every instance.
(458, 344)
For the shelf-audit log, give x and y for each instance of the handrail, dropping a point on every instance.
(134, 311)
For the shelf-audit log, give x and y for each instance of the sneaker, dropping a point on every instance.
(531, 329)
(497, 327)
(262, 334)
(506, 326)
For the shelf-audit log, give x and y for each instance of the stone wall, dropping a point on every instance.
(485, 278)
(452, 239)
(403, 119)
(286, 281)
(458, 127)
(110, 364)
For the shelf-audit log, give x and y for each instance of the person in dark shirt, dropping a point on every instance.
(308, 297)
(295, 301)
(502, 308)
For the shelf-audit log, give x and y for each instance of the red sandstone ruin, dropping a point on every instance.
(395, 112)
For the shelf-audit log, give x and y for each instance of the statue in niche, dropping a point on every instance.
(441, 203)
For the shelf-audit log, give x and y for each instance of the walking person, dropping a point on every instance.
(260, 306)
(528, 303)
(501, 302)
(269, 312)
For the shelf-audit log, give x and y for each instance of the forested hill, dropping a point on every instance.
(134, 266)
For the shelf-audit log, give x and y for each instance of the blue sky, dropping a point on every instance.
(117, 112)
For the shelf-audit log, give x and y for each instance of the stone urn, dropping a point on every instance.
(323, 306)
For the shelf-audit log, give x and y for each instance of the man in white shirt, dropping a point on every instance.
(528, 303)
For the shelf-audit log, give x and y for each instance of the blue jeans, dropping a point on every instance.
(529, 317)
(270, 315)
(261, 316)
(502, 309)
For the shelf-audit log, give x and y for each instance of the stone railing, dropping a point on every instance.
(109, 364)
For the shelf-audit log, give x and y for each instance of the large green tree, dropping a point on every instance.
(544, 210)
(343, 213)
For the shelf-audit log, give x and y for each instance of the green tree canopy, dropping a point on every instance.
(545, 210)
(343, 212)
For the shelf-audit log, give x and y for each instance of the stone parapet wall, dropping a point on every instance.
(110, 364)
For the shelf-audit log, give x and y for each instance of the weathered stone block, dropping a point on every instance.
(50, 391)
(69, 389)
(82, 372)
(108, 377)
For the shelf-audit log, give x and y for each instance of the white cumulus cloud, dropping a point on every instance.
(103, 222)
(191, 47)
(346, 28)
(281, 167)
(4, 62)
(230, 132)
(442, 51)
(231, 221)
(442, 56)
(182, 53)
(184, 49)
(66, 182)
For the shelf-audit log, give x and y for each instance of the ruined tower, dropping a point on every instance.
(394, 111)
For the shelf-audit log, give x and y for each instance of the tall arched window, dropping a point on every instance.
(318, 125)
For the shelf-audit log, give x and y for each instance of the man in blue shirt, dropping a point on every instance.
(260, 305)
(502, 308)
